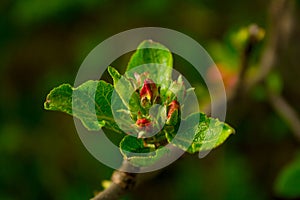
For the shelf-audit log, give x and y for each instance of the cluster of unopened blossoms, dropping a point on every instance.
(149, 95)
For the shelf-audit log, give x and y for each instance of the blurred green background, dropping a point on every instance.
(42, 45)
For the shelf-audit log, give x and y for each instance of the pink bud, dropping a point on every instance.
(143, 122)
(173, 113)
(148, 93)
(145, 126)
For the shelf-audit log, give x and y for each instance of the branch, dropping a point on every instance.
(282, 22)
(254, 37)
(287, 112)
(280, 30)
(122, 183)
(238, 89)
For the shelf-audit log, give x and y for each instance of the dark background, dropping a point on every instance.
(42, 45)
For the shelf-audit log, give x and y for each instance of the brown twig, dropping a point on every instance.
(238, 89)
(287, 113)
(282, 18)
(281, 25)
(254, 37)
(121, 183)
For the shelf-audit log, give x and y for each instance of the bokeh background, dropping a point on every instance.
(42, 45)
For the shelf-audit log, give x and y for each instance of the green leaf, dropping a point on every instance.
(137, 154)
(288, 181)
(206, 135)
(123, 101)
(156, 57)
(123, 88)
(60, 99)
(114, 74)
(141, 161)
(130, 146)
(122, 85)
(90, 98)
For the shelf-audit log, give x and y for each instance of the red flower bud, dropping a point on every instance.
(149, 93)
(173, 113)
(143, 122)
(145, 127)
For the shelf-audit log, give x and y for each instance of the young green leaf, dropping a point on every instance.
(144, 161)
(122, 86)
(131, 145)
(206, 135)
(91, 104)
(156, 57)
(134, 150)
(114, 74)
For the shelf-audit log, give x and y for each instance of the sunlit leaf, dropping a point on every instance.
(151, 54)
(91, 103)
(206, 135)
(134, 150)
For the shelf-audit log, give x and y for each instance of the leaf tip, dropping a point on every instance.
(116, 76)
(229, 129)
(47, 104)
(152, 44)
